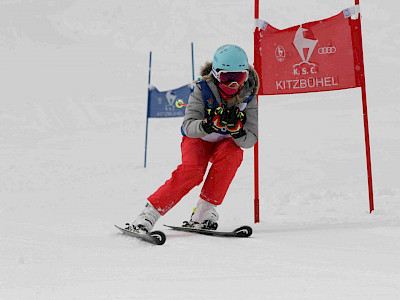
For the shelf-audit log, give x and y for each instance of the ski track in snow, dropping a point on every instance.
(73, 84)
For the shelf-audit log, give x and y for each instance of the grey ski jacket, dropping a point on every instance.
(195, 110)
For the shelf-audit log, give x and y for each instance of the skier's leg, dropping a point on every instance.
(196, 154)
(226, 159)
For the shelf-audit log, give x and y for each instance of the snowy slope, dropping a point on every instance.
(73, 86)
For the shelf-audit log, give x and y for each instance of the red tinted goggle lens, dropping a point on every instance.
(228, 77)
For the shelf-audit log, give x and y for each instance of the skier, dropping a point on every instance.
(221, 118)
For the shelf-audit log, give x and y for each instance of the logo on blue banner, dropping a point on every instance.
(168, 104)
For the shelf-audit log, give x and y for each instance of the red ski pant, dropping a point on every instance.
(225, 157)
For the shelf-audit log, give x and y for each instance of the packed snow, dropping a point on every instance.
(73, 84)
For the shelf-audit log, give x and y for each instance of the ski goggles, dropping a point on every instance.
(228, 77)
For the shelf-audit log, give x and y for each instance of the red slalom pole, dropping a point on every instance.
(256, 167)
(367, 148)
(365, 111)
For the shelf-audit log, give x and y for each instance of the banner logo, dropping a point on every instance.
(280, 53)
(171, 97)
(327, 50)
(305, 46)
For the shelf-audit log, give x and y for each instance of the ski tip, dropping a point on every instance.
(159, 236)
(119, 227)
(244, 231)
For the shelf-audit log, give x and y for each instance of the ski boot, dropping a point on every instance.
(204, 216)
(145, 221)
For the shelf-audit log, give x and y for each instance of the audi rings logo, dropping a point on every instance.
(327, 50)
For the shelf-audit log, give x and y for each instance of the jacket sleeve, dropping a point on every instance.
(250, 127)
(194, 115)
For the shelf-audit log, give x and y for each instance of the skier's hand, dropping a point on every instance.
(235, 119)
(214, 119)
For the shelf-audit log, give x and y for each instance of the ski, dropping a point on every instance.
(243, 231)
(154, 237)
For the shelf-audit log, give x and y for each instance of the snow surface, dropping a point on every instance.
(73, 84)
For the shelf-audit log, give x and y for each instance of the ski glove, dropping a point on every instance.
(234, 121)
(214, 119)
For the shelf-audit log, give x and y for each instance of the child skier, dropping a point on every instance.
(221, 118)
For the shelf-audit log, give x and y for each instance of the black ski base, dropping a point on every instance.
(154, 237)
(242, 232)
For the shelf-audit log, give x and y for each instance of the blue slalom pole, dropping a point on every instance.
(192, 63)
(147, 114)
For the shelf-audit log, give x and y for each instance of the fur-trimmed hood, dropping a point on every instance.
(252, 85)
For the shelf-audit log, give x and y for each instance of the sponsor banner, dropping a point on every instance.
(168, 104)
(312, 57)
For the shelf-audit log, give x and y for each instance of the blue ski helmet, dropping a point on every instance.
(230, 58)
